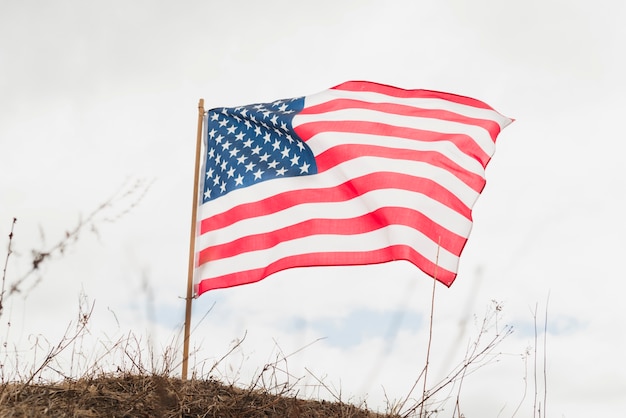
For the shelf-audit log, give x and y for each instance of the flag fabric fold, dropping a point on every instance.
(361, 173)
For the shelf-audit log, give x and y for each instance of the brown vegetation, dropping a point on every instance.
(159, 396)
(140, 388)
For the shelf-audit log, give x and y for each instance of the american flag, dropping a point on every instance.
(361, 173)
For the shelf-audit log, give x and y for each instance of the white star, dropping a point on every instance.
(219, 139)
(209, 173)
(272, 164)
(250, 166)
(215, 116)
(226, 145)
(256, 150)
(231, 172)
(247, 143)
(224, 165)
(274, 119)
(231, 129)
(223, 187)
(264, 157)
(242, 159)
(240, 136)
(223, 123)
(207, 194)
(233, 152)
(216, 180)
(285, 152)
(295, 160)
(257, 130)
(258, 173)
(212, 133)
(267, 138)
(281, 171)
(276, 145)
(304, 168)
(239, 180)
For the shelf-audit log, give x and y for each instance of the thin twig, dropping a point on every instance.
(97, 215)
(274, 366)
(430, 338)
(519, 405)
(457, 405)
(324, 385)
(478, 359)
(535, 364)
(430, 327)
(408, 396)
(6, 264)
(62, 345)
(233, 348)
(545, 345)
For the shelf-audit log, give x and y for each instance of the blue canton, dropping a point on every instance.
(250, 144)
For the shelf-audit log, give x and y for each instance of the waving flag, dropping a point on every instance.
(361, 173)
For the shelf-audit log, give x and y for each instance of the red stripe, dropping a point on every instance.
(345, 152)
(383, 255)
(346, 191)
(403, 110)
(464, 143)
(373, 221)
(409, 94)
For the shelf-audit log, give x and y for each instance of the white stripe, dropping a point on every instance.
(326, 140)
(391, 235)
(337, 175)
(480, 135)
(424, 103)
(434, 210)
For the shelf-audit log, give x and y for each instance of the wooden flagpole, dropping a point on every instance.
(192, 241)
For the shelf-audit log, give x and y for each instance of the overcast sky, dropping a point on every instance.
(96, 96)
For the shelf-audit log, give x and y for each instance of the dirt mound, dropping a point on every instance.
(157, 396)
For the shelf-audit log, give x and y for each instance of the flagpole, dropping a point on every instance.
(192, 238)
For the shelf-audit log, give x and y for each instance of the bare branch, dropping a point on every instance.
(6, 264)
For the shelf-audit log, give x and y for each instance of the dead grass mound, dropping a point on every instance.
(157, 396)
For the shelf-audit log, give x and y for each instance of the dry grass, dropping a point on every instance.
(138, 389)
(159, 396)
(135, 390)
(146, 386)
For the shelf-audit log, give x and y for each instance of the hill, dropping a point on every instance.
(158, 396)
